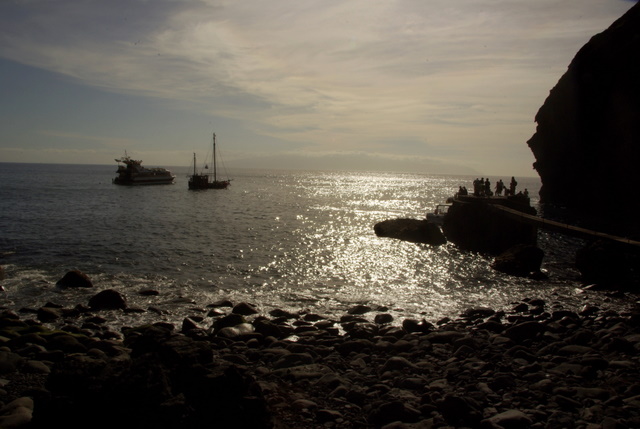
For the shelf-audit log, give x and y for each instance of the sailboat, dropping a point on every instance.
(203, 180)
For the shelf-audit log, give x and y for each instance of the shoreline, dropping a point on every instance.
(531, 366)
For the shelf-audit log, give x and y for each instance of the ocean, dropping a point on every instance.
(294, 240)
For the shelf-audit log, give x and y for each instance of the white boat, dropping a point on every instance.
(133, 173)
(439, 214)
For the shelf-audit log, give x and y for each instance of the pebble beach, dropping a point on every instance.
(534, 366)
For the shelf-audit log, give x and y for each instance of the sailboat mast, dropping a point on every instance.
(194, 163)
(214, 158)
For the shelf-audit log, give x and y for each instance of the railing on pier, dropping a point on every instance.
(564, 228)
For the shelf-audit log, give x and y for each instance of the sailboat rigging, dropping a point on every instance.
(202, 180)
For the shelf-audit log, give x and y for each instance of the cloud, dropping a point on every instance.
(354, 161)
(88, 138)
(325, 75)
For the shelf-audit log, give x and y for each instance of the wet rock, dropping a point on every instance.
(49, 314)
(524, 330)
(268, 328)
(511, 419)
(353, 346)
(293, 359)
(383, 318)
(396, 363)
(459, 411)
(503, 382)
(304, 404)
(277, 312)
(9, 362)
(361, 330)
(478, 313)
(107, 299)
(445, 336)
(221, 303)
(74, 279)
(188, 325)
(245, 309)
(228, 321)
(388, 412)
(302, 372)
(413, 230)
(237, 331)
(323, 416)
(492, 326)
(520, 260)
(359, 309)
(312, 317)
(574, 349)
(36, 367)
(412, 325)
(17, 414)
(66, 343)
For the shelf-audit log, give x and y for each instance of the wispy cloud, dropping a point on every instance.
(357, 72)
(88, 138)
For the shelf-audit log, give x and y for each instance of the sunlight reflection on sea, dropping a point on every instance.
(293, 240)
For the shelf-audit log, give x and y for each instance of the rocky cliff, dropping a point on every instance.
(587, 141)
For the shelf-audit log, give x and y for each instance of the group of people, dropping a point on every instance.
(482, 188)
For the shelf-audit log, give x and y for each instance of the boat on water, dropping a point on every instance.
(439, 214)
(133, 173)
(207, 180)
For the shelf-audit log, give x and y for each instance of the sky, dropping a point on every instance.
(427, 86)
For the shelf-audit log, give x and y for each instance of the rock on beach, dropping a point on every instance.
(530, 367)
(74, 278)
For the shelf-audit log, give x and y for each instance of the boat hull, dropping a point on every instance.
(141, 181)
(201, 181)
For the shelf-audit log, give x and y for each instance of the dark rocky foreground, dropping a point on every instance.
(536, 366)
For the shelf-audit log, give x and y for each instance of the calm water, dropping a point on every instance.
(293, 240)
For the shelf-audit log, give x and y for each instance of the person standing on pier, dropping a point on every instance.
(476, 186)
(512, 186)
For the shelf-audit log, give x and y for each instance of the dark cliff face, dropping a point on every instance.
(587, 142)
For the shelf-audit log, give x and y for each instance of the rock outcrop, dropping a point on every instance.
(414, 230)
(587, 142)
(476, 226)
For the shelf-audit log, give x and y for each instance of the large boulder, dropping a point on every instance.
(108, 299)
(414, 230)
(587, 141)
(609, 265)
(521, 260)
(74, 279)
